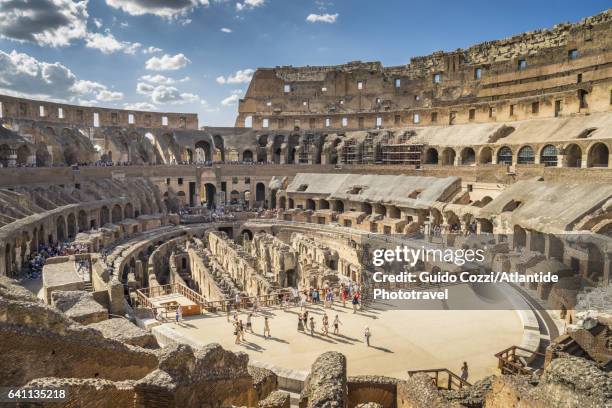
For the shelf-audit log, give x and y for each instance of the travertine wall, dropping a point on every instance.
(483, 83)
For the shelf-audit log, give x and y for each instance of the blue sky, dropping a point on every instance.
(171, 57)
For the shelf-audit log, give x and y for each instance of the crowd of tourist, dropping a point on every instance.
(37, 261)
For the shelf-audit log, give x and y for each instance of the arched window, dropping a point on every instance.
(525, 155)
(548, 157)
(504, 156)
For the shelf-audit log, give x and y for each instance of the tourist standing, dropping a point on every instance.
(266, 327)
(367, 334)
(312, 326)
(180, 313)
(464, 371)
(337, 324)
(355, 302)
(301, 322)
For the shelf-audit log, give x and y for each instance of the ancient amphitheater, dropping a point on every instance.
(114, 224)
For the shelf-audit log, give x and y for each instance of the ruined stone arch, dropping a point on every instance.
(448, 156)
(310, 204)
(260, 192)
(572, 155)
(83, 221)
(72, 225)
(519, 237)
(598, 155)
(234, 197)
(485, 155)
(431, 156)
(324, 204)
(203, 152)
(247, 156)
(468, 156)
(116, 214)
(290, 203)
(128, 211)
(282, 202)
(60, 228)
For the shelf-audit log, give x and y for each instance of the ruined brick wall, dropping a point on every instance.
(326, 385)
(473, 84)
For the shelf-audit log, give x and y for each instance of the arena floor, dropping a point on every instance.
(401, 339)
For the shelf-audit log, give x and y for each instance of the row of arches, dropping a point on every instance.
(597, 155)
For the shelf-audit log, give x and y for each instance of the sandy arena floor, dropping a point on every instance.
(401, 339)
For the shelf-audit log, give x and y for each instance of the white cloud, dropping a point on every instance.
(163, 94)
(167, 63)
(322, 18)
(142, 106)
(226, 30)
(233, 98)
(144, 89)
(151, 50)
(240, 77)
(108, 44)
(52, 23)
(23, 75)
(163, 80)
(109, 96)
(97, 22)
(162, 8)
(249, 4)
(230, 100)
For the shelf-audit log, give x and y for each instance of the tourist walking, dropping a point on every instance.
(180, 313)
(241, 329)
(337, 323)
(325, 325)
(300, 322)
(367, 334)
(464, 371)
(250, 322)
(355, 302)
(312, 326)
(266, 327)
(236, 333)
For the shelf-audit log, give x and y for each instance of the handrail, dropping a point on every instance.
(453, 379)
(509, 364)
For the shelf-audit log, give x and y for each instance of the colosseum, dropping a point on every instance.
(148, 260)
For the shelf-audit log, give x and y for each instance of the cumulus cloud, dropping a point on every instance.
(163, 80)
(109, 96)
(23, 75)
(162, 8)
(164, 94)
(249, 4)
(97, 22)
(108, 44)
(240, 77)
(232, 99)
(322, 18)
(52, 23)
(145, 89)
(167, 62)
(226, 30)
